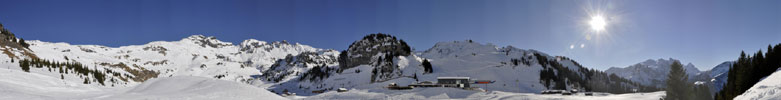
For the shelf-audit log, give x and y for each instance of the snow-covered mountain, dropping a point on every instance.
(651, 72)
(769, 88)
(376, 61)
(196, 55)
(369, 64)
(128, 66)
(717, 76)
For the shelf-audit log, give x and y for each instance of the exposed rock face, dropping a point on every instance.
(10, 43)
(364, 51)
(141, 74)
(210, 41)
(299, 65)
(378, 50)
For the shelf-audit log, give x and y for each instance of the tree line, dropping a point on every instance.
(748, 70)
(557, 76)
(65, 68)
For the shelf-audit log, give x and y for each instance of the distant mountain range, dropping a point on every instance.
(654, 73)
(651, 72)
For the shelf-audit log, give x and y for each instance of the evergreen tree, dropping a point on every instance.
(25, 64)
(405, 47)
(427, 66)
(677, 86)
(24, 44)
(702, 92)
(748, 70)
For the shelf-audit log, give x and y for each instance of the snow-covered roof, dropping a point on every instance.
(452, 77)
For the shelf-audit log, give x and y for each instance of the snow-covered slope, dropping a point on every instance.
(488, 62)
(196, 55)
(16, 84)
(458, 94)
(718, 75)
(191, 87)
(649, 71)
(767, 89)
(128, 66)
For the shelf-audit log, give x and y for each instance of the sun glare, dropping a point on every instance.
(597, 23)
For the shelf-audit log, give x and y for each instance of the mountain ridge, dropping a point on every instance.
(299, 68)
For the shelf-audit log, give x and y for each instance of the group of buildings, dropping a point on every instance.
(455, 82)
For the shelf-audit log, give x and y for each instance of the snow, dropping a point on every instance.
(190, 87)
(16, 84)
(767, 89)
(648, 72)
(718, 75)
(454, 93)
(458, 59)
(190, 56)
(19, 85)
(176, 58)
(189, 68)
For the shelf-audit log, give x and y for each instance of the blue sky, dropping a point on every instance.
(703, 32)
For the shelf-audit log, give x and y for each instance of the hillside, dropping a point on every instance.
(767, 89)
(190, 87)
(718, 75)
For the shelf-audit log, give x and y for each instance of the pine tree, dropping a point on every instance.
(427, 66)
(703, 92)
(24, 44)
(677, 87)
(25, 64)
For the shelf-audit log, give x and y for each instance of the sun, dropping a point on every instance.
(597, 23)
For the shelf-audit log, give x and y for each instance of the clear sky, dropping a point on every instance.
(703, 32)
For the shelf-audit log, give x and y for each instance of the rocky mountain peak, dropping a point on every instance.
(362, 51)
(205, 41)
